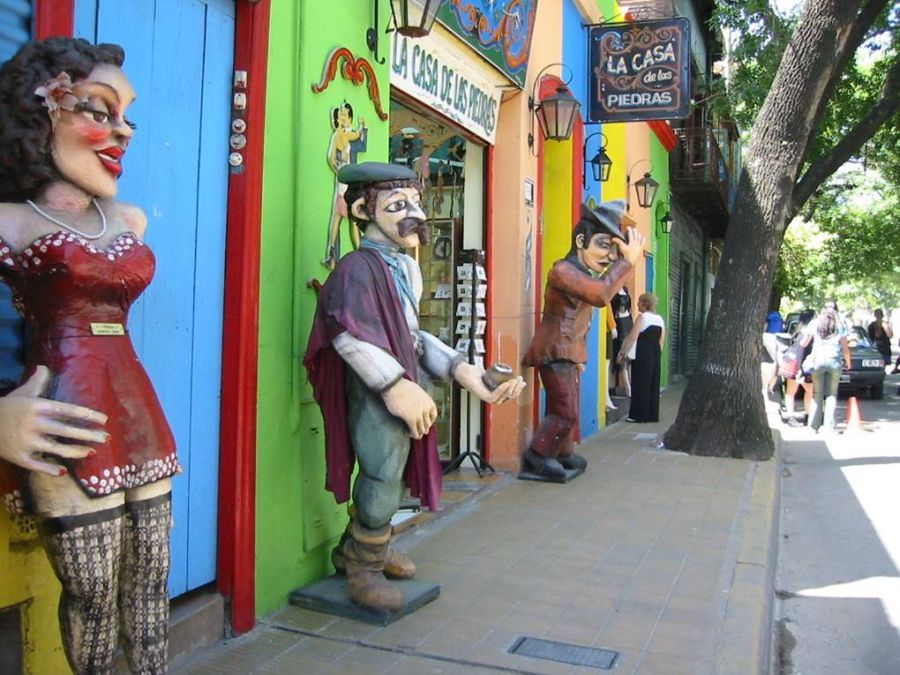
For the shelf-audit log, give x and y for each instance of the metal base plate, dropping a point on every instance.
(330, 595)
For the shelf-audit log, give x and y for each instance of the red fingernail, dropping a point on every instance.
(62, 471)
(91, 452)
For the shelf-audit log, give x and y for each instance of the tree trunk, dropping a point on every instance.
(722, 412)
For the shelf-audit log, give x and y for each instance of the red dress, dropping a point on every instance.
(75, 299)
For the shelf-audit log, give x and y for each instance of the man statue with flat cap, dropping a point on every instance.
(371, 367)
(559, 348)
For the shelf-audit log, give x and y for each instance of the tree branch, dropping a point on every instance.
(861, 25)
(884, 109)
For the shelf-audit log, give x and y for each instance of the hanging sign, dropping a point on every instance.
(640, 70)
(429, 69)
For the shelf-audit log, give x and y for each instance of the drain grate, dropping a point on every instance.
(563, 652)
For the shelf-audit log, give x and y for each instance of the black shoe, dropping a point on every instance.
(572, 461)
(544, 466)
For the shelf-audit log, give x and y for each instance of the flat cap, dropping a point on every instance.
(374, 172)
(608, 215)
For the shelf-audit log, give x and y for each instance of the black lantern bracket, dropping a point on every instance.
(600, 163)
(372, 35)
(562, 101)
(645, 188)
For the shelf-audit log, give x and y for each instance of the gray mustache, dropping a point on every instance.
(407, 225)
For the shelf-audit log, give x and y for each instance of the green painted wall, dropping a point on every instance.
(659, 157)
(297, 520)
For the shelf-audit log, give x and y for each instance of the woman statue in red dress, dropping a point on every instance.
(85, 445)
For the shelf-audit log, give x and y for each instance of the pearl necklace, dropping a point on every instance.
(68, 227)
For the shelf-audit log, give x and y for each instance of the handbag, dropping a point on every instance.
(790, 361)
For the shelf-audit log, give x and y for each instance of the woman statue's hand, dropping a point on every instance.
(31, 426)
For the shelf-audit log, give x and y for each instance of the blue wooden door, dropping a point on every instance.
(179, 58)
(15, 30)
(589, 417)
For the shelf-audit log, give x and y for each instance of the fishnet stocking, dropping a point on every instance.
(143, 596)
(85, 559)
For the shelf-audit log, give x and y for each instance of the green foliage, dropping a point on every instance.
(850, 251)
(848, 246)
(758, 36)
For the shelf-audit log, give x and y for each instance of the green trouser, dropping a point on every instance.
(381, 443)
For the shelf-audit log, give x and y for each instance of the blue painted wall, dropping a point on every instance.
(179, 58)
(575, 57)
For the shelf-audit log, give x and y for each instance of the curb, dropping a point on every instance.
(744, 642)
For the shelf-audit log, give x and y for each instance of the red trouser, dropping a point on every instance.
(553, 438)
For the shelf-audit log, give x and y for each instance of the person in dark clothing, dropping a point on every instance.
(621, 310)
(880, 335)
(648, 334)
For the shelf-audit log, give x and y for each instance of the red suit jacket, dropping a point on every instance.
(570, 297)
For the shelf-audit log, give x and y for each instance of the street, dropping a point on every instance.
(837, 584)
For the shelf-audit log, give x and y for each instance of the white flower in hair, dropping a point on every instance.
(58, 93)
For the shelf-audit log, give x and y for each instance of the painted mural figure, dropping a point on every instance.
(559, 348)
(85, 445)
(371, 367)
(345, 145)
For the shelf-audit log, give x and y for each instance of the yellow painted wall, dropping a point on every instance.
(27, 580)
(557, 179)
(514, 240)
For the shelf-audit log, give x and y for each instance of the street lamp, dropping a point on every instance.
(666, 222)
(556, 114)
(414, 18)
(600, 163)
(645, 188)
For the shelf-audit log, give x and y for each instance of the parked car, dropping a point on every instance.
(867, 366)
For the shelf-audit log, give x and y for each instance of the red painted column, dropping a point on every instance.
(54, 18)
(237, 467)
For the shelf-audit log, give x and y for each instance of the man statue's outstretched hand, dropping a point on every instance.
(469, 377)
(633, 249)
(30, 426)
(412, 404)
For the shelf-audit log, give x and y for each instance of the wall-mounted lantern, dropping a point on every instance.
(556, 114)
(645, 188)
(600, 163)
(414, 18)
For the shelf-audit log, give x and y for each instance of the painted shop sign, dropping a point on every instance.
(640, 70)
(499, 30)
(429, 70)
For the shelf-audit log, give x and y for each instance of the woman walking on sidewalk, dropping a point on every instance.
(829, 346)
(648, 334)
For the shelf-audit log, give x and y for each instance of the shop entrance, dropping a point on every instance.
(451, 168)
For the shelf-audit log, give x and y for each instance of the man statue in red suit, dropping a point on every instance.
(558, 348)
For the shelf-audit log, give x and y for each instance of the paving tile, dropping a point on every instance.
(243, 654)
(302, 619)
(667, 664)
(367, 660)
(414, 665)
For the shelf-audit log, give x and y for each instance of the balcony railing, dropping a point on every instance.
(699, 174)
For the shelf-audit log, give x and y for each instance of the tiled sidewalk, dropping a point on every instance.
(662, 557)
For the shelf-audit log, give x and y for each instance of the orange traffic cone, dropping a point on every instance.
(854, 419)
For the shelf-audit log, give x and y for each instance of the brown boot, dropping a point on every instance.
(397, 565)
(364, 554)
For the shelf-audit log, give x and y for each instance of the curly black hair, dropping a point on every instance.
(25, 132)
